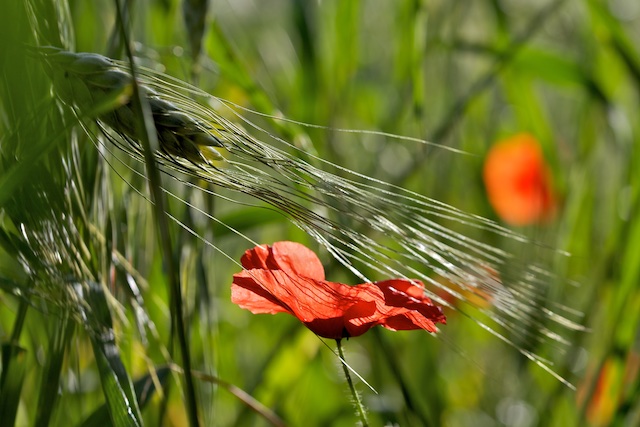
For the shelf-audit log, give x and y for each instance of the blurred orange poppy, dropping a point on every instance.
(604, 399)
(518, 181)
(289, 278)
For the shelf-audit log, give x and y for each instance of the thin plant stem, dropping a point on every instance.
(19, 323)
(149, 142)
(354, 393)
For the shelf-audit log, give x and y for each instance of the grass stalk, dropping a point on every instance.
(19, 323)
(148, 139)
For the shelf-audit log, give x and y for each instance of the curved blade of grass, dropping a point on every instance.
(119, 405)
(144, 388)
(22, 84)
(118, 391)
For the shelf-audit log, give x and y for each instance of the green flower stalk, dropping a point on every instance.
(362, 413)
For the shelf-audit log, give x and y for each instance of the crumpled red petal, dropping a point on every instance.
(288, 277)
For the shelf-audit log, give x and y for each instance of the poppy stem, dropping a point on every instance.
(354, 393)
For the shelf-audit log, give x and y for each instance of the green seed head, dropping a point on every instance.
(101, 88)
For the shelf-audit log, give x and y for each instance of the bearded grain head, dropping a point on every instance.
(98, 86)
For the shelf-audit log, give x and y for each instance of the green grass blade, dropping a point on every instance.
(14, 363)
(62, 332)
(116, 384)
(120, 406)
(622, 44)
(195, 19)
(144, 388)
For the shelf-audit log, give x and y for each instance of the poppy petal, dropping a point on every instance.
(408, 321)
(288, 277)
(297, 259)
(257, 258)
(410, 294)
(361, 317)
(319, 305)
(247, 292)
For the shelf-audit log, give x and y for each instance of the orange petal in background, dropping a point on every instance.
(518, 181)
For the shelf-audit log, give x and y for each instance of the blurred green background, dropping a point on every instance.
(460, 74)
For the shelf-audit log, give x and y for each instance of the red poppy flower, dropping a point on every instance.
(289, 278)
(518, 181)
